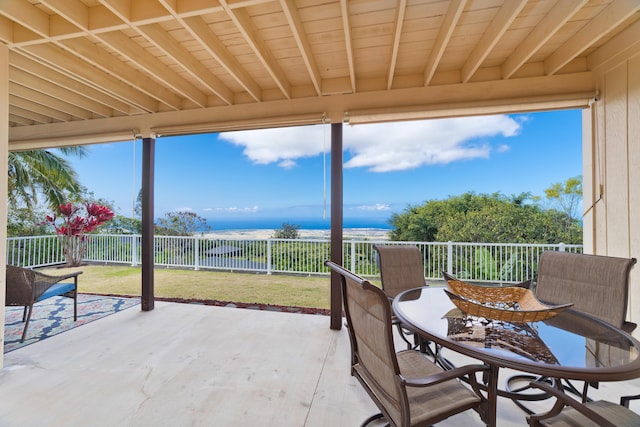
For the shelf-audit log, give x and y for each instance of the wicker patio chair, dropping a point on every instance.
(401, 268)
(407, 387)
(568, 411)
(597, 285)
(25, 287)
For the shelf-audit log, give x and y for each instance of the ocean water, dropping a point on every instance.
(303, 223)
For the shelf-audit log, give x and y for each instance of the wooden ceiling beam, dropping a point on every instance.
(6, 30)
(449, 22)
(24, 78)
(494, 32)
(27, 15)
(212, 44)
(346, 28)
(17, 119)
(98, 19)
(553, 21)
(77, 68)
(297, 27)
(252, 36)
(77, 13)
(612, 15)
(74, 86)
(72, 10)
(29, 115)
(27, 104)
(397, 34)
(167, 44)
(200, 31)
(135, 53)
(616, 49)
(89, 20)
(49, 101)
(473, 98)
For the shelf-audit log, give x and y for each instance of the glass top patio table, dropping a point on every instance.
(571, 345)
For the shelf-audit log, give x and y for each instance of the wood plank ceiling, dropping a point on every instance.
(84, 71)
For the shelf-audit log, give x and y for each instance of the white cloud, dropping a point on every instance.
(233, 209)
(397, 146)
(374, 208)
(282, 145)
(287, 164)
(382, 147)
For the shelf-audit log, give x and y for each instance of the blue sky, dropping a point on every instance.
(280, 172)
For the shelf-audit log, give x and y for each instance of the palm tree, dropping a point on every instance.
(34, 172)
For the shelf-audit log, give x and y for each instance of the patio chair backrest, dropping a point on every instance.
(596, 285)
(374, 362)
(19, 286)
(401, 268)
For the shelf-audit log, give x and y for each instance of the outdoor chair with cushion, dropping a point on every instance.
(595, 284)
(407, 387)
(568, 411)
(401, 268)
(25, 287)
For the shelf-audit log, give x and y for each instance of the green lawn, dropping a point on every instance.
(298, 291)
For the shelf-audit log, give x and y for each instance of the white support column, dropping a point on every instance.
(4, 155)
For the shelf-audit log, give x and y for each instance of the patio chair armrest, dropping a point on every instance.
(564, 400)
(42, 282)
(443, 376)
(55, 279)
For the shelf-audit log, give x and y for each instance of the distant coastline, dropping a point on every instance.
(226, 224)
(308, 228)
(347, 234)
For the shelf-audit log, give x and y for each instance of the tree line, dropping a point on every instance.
(495, 218)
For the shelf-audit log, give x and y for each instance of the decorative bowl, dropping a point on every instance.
(509, 304)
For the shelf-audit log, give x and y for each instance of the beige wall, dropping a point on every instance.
(611, 156)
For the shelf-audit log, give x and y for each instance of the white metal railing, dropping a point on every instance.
(501, 262)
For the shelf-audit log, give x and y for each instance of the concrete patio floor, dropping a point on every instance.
(196, 365)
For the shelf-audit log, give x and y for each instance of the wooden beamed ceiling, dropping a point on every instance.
(84, 71)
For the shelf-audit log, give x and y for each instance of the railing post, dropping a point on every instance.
(561, 247)
(196, 253)
(352, 248)
(134, 250)
(269, 263)
(450, 257)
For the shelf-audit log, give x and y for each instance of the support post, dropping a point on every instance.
(4, 173)
(336, 223)
(148, 158)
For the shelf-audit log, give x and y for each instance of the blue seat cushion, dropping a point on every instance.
(57, 289)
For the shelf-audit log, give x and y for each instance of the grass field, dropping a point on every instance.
(297, 291)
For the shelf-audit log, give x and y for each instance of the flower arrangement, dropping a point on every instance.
(76, 222)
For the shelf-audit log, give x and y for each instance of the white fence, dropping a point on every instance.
(495, 262)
